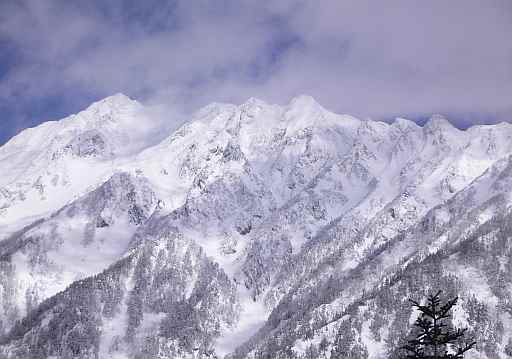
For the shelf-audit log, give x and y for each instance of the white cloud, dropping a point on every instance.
(365, 58)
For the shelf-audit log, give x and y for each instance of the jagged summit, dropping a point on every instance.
(304, 101)
(114, 108)
(253, 102)
(116, 100)
(439, 121)
(404, 123)
(297, 101)
(110, 108)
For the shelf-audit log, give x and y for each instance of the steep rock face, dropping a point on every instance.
(78, 241)
(264, 231)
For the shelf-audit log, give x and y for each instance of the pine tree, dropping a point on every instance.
(434, 339)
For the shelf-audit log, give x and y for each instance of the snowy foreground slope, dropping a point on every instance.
(252, 231)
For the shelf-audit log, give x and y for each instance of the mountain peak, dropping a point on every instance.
(403, 123)
(254, 102)
(304, 101)
(439, 121)
(117, 98)
(114, 102)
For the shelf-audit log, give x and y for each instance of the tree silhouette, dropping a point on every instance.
(434, 339)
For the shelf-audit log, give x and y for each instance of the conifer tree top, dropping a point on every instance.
(434, 338)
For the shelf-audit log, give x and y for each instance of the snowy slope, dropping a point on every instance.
(45, 167)
(255, 229)
(81, 239)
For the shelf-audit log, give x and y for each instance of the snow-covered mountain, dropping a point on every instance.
(252, 231)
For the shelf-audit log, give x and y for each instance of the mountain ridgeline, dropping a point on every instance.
(251, 231)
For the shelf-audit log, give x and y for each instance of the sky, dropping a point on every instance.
(371, 59)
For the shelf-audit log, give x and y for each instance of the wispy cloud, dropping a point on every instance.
(365, 58)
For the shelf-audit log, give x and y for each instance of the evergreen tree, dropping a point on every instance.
(434, 338)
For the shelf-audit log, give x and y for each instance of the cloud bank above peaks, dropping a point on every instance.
(369, 59)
